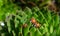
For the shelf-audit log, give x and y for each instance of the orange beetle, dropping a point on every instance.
(33, 20)
(35, 23)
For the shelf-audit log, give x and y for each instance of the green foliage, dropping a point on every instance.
(14, 18)
(6, 9)
(1, 3)
(48, 19)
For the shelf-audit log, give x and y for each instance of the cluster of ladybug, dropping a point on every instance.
(34, 23)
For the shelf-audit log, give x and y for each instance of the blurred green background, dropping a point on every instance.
(15, 17)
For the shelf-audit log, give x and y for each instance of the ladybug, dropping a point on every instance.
(35, 23)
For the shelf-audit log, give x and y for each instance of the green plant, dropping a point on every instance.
(48, 19)
(6, 8)
(17, 21)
